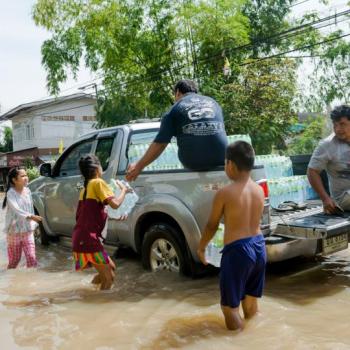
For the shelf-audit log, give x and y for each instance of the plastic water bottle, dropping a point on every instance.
(212, 253)
(128, 204)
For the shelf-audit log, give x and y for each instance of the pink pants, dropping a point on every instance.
(15, 244)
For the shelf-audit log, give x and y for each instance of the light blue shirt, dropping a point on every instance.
(18, 207)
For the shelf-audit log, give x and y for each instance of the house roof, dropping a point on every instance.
(27, 107)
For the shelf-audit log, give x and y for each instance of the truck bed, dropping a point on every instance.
(313, 207)
(307, 232)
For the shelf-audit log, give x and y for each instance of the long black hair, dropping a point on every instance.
(13, 173)
(88, 166)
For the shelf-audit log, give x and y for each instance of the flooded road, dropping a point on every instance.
(305, 307)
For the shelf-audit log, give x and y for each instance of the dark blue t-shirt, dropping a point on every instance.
(197, 123)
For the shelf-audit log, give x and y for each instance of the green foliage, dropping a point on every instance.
(141, 48)
(28, 163)
(331, 78)
(259, 102)
(33, 173)
(6, 145)
(306, 142)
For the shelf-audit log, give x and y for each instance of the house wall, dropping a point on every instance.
(47, 126)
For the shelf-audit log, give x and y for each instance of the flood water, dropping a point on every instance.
(306, 306)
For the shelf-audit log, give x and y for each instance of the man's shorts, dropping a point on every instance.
(242, 270)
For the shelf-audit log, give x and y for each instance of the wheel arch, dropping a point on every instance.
(151, 218)
(168, 209)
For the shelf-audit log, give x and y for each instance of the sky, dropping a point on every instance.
(23, 79)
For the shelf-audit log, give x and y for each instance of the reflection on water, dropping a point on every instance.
(306, 306)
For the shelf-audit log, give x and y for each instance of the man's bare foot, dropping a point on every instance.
(96, 279)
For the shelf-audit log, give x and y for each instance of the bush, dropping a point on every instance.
(306, 142)
(33, 173)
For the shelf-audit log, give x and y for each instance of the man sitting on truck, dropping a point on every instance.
(333, 155)
(198, 125)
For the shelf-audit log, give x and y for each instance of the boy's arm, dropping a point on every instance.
(212, 225)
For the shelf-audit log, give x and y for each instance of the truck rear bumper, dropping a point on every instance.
(282, 248)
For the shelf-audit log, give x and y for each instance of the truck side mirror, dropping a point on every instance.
(45, 169)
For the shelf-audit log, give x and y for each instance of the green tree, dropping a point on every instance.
(143, 47)
(259, 102)
(306, 142)
(6, 145)
(331, 78)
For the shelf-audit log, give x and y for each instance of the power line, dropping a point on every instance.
(297, 49)
(278, 55)
(282, 35)
(291, 32)
(298, 3)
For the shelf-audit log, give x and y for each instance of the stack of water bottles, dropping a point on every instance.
(212, 253)
(275, 166)
(293, 188)
(168, 160)
(283, 186)
(128, 204)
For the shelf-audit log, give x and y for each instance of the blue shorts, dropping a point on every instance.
(242, 270)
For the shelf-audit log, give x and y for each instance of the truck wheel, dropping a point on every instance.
(163, 249)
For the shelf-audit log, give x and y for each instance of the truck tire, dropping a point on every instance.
(163, 249)
(42, 235)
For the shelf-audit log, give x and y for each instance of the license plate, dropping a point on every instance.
(335, 244)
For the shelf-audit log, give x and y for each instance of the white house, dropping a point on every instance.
(45, 124)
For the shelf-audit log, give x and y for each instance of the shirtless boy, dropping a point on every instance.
(243, 261)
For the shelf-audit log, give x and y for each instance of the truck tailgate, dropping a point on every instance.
(332, 230)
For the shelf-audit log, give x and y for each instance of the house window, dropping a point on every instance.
(89, 118)
(58, 118)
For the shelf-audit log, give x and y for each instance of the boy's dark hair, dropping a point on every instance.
(88, 166)
(339, 112)
(12, 174)
(242, 154)
(185, 86)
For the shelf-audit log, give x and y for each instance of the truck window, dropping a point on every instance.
(143, 137)
(103, 151)
(69, 165)
(139, 143)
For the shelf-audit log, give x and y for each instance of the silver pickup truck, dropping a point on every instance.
(165, 225)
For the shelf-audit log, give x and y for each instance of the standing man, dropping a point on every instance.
(333, 155)
(198, 125)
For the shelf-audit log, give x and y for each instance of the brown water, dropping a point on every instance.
(306, 306)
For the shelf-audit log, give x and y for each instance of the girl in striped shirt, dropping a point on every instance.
(20, 221)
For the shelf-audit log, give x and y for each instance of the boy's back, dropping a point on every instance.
(242, 268)
(243, 205)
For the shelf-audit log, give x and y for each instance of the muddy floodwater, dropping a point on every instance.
(306, 306)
